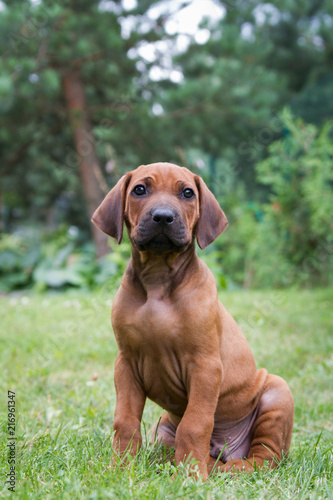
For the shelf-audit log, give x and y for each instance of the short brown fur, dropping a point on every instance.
(177, 343)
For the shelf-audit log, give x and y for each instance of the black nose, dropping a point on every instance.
(163, 216)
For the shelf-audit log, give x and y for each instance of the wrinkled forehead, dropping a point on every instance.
(165, 176)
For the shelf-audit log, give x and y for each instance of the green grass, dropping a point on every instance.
(57, 354)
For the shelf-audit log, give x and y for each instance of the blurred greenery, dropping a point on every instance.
(250, 110)
(58, 260)
(287, 240)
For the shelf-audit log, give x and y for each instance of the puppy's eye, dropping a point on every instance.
(139, 190)
(188, 193)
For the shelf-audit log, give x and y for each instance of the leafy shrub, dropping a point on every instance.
(18, 258)
(57, 260)
(287, 240)
(233, 246)
(294, 242)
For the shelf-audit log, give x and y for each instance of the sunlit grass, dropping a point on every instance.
(57, 354)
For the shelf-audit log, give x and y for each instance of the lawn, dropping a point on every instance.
(57, 356)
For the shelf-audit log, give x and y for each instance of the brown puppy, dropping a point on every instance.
(177, 344)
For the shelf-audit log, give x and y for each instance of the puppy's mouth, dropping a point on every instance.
(160, 243)
(156, 233)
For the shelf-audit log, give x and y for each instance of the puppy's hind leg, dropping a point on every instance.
(272, 429)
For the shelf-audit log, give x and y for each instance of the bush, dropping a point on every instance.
(294, 242)
(287, 240)
(18, 257)
(58, 260)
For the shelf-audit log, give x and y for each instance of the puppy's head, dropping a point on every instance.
(164, 207)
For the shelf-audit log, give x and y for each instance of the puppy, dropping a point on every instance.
(178, 346)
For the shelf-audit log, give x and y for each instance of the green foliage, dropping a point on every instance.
(286, 240)
(58, 260)
(18, 257)
(294, 242)
(223, 111)
(234, 243)
(39, 42)
(225, 98)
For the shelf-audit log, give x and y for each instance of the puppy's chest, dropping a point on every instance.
(153, 337)
(151, 325)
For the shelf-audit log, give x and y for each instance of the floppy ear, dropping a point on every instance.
(109, 216)
(212, 220)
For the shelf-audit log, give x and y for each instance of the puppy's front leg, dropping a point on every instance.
(129, 407)
(195, 429)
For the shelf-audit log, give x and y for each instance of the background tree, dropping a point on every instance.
(80, 104)
(69, 89)
(259, 56)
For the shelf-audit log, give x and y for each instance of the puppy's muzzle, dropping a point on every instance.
(162, 229)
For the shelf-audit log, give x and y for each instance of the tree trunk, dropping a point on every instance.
(85, 149)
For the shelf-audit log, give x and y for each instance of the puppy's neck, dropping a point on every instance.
(161, 273)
